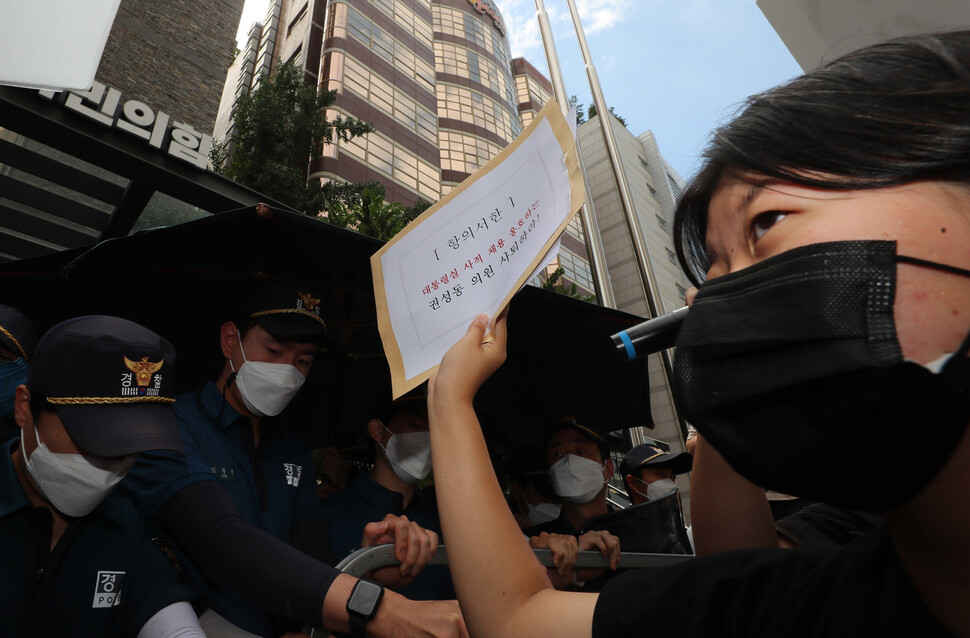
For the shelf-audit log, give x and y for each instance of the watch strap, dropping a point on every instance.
(358, 625)
(357, 617)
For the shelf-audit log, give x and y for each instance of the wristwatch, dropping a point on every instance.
(362, 605)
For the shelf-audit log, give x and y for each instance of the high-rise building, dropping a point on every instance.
(655, 187)
(172, 55)
(434, 77)
(532, 90)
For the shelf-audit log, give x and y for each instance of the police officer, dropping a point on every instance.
(401, 447)
(247, 479)
(76, 556)
(17, 341)
(648, 471)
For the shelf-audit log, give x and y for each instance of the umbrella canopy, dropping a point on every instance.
(184, 281)
(560, 364)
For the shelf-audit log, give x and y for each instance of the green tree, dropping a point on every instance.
(371, 215)
(555, 283)
(277, 129)
(591, 113)
(574, 104)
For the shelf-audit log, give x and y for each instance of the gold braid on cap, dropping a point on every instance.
(596, 436)
(7, 334)
(285, 311)
(106, 400)
(650, 458)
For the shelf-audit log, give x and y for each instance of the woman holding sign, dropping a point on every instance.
(829, 233)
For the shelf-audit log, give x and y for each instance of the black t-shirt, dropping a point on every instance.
(823, 523)
(860, 589)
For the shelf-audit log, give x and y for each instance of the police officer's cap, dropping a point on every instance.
(414, 401)
(567, 422)
(16, 332)
(287, 310)
(646, 455)
(112, 383)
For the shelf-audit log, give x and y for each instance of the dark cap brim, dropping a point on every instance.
(589, 433)
(293, 326)
(122, 429)
(679, 462)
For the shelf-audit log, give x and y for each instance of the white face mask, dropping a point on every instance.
(656, 489)
(409, 454)
(576, 479)
(75, 484)
(543, 513)
(266, 388)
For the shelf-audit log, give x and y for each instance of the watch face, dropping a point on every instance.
(365, 597)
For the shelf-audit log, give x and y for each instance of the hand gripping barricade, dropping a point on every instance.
(651, 526)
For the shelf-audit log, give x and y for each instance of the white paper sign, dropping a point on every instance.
(53, 44)
(473, 250)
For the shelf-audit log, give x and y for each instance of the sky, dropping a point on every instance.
(675, 67)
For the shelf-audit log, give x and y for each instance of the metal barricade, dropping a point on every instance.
(365, 560)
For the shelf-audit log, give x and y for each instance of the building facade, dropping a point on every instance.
(172, 55)
(532, 90)
(655, 187)
(434, 77)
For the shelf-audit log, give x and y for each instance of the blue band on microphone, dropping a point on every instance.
(631, 352)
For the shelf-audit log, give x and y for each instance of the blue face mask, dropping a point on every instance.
(12, 374)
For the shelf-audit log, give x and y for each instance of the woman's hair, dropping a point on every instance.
(889, 114)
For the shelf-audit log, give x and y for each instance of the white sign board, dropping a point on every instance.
(473, 250)
(53, 44)
(818, 31)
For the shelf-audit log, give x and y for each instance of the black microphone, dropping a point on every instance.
(649, 336)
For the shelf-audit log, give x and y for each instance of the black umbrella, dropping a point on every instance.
(184, 281)
(560, 363)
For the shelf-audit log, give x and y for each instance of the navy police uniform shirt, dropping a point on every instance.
(367, 501)
(109, 574)
(558, 525)
(273, 484)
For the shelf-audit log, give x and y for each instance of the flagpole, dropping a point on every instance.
(648, 279)
(594, 241)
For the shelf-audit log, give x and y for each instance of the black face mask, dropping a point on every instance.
(792, 370)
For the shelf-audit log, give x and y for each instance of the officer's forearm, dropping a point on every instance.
(205, 522)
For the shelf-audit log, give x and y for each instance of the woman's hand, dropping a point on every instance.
(471, 361)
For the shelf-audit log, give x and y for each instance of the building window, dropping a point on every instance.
(674, 187)
(575, 228)
(681, 291)
(467, 105)
(463, 152)
(383, 45)
(299, 16)
(662, 222)
(295, 58)
(386, 156)
(671, 256)
(471, 28)
(576, 269)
